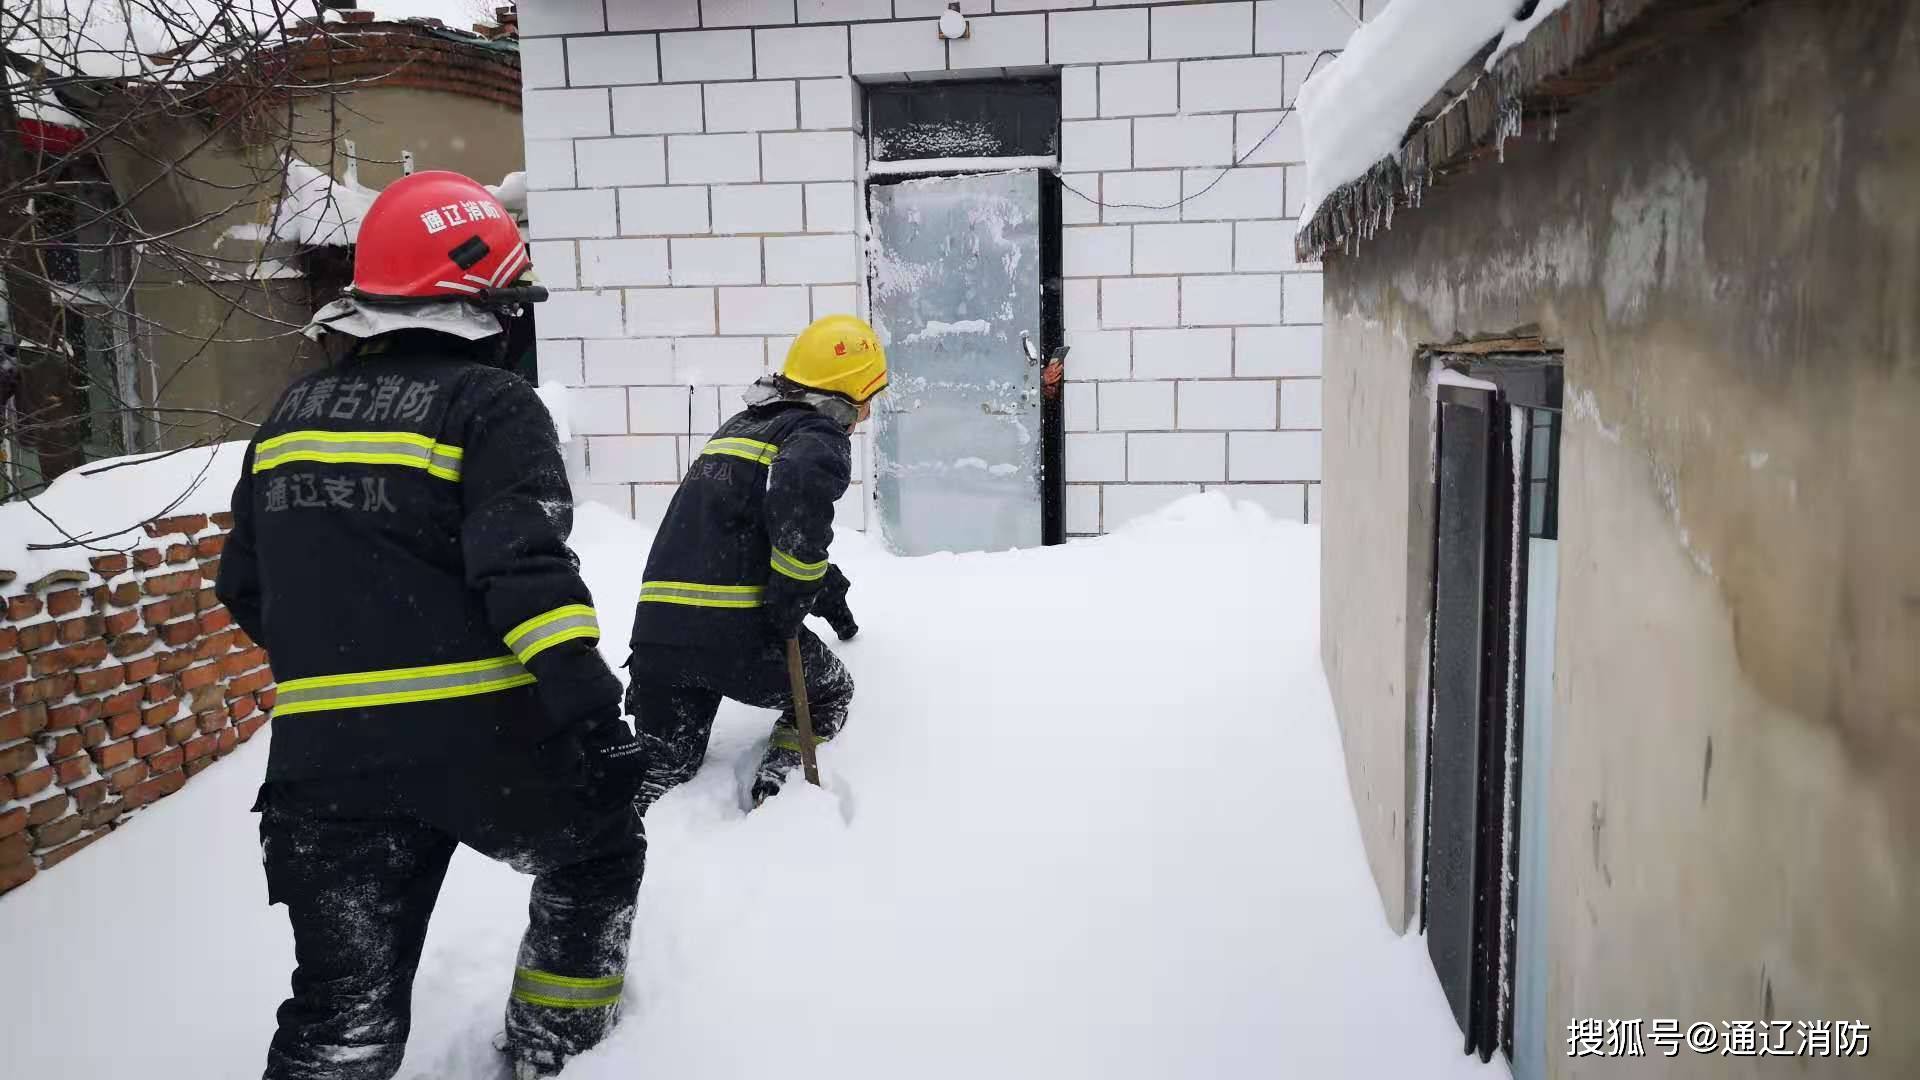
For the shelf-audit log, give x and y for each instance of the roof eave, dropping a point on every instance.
(1581, 48)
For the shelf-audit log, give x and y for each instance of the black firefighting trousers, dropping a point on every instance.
(359, 862)
(675, 691)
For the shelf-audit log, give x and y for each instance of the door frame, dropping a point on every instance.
(1518, 373)
(1051, 331)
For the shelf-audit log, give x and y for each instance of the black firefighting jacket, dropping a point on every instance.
(749, 526)
(400, 549)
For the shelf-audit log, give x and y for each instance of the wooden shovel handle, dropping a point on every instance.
(802, 713)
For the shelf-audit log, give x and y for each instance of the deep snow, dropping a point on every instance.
(1089, 818)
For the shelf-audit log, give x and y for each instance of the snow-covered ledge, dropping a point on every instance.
(121, 676)
(1431, 82)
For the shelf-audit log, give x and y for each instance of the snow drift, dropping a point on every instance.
(1080, 824)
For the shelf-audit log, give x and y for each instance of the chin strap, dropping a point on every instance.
(512, 296)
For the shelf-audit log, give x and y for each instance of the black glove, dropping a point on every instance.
(612, 765)
(785, 607)
(830, 603)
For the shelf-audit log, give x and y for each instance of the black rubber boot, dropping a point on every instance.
(518, 1067)
(781, 760)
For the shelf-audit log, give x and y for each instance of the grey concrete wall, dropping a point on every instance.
(231, 348)
(1375, 563)
(1726, 244)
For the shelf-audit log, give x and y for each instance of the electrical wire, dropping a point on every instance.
(1286, 112)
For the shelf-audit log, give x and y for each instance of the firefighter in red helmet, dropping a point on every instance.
(400, 549)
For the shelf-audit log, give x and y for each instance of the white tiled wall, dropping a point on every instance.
(696, 168)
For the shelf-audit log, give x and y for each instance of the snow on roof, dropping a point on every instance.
(104, 503)
(1518, 29)
(169, 41)
(33, 103)
(180, 42)
(1356, 110)
(316, 209)
(512, 192)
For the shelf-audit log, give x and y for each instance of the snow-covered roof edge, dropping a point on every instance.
(316, 210)
(1357, 109)
(128, 46)
(103, 505)
(1540, 65)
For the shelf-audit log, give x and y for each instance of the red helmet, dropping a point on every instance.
(437, 236)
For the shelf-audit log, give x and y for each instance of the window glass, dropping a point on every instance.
(916, 121)
(1543, 474)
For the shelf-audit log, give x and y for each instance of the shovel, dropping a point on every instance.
(802, 714)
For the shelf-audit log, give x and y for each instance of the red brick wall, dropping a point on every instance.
(121, 678)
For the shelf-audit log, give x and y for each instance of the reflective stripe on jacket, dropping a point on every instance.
(400, 550)
(751, 521)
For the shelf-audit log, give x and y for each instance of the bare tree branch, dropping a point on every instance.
(104, 105)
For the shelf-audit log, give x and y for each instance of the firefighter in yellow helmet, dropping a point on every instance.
(741, 560)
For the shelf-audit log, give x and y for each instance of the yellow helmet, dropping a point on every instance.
(838, 354)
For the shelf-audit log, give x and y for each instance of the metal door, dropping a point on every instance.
(1456, 738)
(957, 439)
(1483, 764)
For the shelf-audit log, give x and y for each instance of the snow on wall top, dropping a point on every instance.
(105, 502)
(36, 104)
(317, 209)
(178, 42)
(1357, 110)
(1518, 29)
(511, 191)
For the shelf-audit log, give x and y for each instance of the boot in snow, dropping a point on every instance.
(774, 769)
(780, 761)
(516, 1066)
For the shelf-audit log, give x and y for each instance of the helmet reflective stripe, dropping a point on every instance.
(362, 689)
(509, 265)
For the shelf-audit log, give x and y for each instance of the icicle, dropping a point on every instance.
(1512, 120)
(1506, 102)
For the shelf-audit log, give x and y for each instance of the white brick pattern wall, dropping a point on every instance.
(697, 193)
